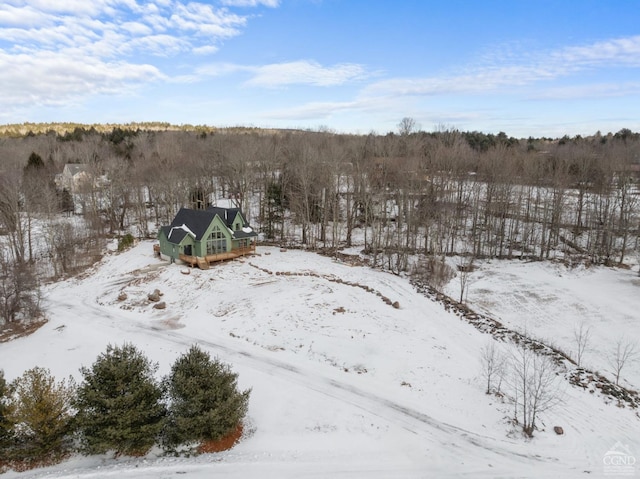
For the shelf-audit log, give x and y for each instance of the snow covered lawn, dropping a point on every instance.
(344, 384)
(549, 300)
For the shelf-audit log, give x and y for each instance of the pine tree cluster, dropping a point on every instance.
(119, 407)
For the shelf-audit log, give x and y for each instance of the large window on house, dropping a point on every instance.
(216, 242)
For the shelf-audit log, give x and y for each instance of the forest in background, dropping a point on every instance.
(399, 196)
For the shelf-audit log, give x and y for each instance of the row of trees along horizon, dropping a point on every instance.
(437, 193)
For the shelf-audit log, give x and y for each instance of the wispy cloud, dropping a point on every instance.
(597, 90)
(251, 3)
(532, 68)
(302, 72)
(529, 76)
(618, 51)
(312, 110)
(305, 73)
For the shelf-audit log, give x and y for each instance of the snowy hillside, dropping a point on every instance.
(344, 384)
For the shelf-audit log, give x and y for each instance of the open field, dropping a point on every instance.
(344, 384)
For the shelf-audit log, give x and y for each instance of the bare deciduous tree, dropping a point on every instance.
(11, 218)
(493, 364)
(623, 352)
(534, 385)
(407, 126)
(465, 268)
(19, 292)
(581, 337)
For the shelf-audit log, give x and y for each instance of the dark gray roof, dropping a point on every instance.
(165, 230)
(226, 214)
(244, 234)
(197, 221)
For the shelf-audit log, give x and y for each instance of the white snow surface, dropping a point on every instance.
(549, 301)
(343, 384)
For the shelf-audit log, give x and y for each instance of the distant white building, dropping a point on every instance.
(73, 177)
(76, 176)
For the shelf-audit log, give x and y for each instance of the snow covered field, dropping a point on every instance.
(549, 301)
(344, 384)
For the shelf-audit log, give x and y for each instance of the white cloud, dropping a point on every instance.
(302, 72)
(305, 72)
(53, 48)
(251, 3)
(618, 51)
(205, 20)
(159, 45)
(137, 28)
(53, 79)
(14, 16)
(311, 111)
(77, 7)
(205, 50)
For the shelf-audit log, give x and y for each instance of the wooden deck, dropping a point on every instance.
(205, 262)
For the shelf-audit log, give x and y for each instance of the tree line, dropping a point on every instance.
(119, 407)
(397, 195)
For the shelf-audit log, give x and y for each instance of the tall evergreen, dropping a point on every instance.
(119, 403)
(41, 411)
(205, 403)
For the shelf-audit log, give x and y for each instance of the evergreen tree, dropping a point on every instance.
(205, 403)
(41, 412)
(65, 201)
(119, 403)
(34, 163)
(6, 427)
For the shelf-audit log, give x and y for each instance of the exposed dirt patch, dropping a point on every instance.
(167, 323)
(223, 444)
(17, 330)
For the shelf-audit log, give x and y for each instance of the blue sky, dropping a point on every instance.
(528, 68)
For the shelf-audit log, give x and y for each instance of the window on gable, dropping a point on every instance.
(216, 242)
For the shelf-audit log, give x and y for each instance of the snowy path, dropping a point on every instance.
(368, 391)
(451, 442)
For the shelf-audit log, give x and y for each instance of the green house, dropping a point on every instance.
(205, 236)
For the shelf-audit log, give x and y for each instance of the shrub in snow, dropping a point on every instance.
(205, 403)
(119, 403)
(125, 242)
(6, 428)
(40, 411)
